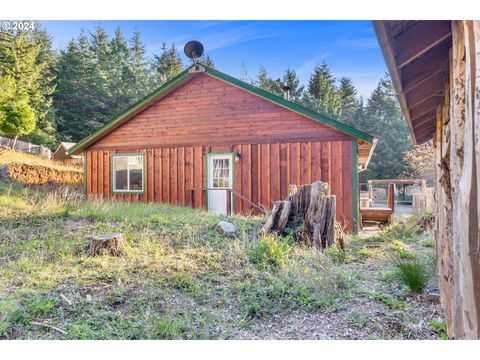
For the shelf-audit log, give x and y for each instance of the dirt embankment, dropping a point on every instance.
(39, 175)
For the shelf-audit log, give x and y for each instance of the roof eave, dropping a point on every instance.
(384, 40)
(140, 105)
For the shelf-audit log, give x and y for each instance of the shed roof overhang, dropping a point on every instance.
(417, 57)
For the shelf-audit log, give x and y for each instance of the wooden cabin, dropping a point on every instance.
(208, 140)
(435, 67)
(61, 154)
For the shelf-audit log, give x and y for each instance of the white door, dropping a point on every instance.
(220, 178)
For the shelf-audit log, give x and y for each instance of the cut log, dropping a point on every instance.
(284, 215)
(108, 244)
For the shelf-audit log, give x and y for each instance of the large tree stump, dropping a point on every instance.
(108, 244)
(313, 204)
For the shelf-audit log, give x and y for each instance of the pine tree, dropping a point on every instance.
(386, 123)
(119, 73)
(264, 82)
(78, 105)
(291, 79)
(168, 64)
(207, 60)
(141, 82)
(347, 94)
(321, 87)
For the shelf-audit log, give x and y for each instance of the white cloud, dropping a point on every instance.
(308, 66)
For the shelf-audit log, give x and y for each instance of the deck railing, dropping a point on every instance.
(229, 198)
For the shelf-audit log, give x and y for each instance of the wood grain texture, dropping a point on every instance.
(194, 113)
(277, 147)
(262, 175)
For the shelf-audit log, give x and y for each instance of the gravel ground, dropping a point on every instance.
(362, 317)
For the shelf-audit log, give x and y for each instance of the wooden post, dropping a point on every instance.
(391, 197)
(229, 202)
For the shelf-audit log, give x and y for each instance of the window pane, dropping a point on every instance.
(120, 166)
(136, 172)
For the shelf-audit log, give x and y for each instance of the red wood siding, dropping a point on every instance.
(262, 175)
(278, 147)
(208, 111)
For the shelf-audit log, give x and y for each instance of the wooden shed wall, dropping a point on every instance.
(209, 111)
(263, 174)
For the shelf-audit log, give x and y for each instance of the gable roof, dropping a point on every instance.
(66, 145)
(194, 71)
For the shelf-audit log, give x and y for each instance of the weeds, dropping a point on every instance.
(414, 275)
(180, 279)
(439, 327)
(271, 251)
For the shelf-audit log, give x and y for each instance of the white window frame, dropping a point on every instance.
(113, 173)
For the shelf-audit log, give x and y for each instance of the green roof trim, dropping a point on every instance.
(222, 76)
(291, 105)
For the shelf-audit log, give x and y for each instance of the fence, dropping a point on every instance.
(26, 147)
(423, 201)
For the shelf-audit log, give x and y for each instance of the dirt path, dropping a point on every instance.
(380, 308)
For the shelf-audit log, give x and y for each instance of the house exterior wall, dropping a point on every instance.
(277, 147)
(262, 175)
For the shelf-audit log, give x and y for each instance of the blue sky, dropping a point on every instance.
(349, 47)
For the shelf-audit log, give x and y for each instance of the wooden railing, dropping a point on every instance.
(229, 198)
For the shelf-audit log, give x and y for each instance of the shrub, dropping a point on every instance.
(270, 251)
(414, 275)
(406, 232)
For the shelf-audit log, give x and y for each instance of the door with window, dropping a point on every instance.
(219, 181)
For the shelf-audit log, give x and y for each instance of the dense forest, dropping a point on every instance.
(49, 95)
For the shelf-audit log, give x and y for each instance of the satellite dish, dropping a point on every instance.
(193, 49)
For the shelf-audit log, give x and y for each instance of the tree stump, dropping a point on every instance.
(108, 244)
(312, 203)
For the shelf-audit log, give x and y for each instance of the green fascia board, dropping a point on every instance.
(165, 87)
(291, 105)
(230, 79)
(355, 224)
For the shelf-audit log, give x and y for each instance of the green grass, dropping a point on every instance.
(414, 275)
(18, 157)
(179, 278)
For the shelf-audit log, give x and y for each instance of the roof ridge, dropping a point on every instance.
(236, 82)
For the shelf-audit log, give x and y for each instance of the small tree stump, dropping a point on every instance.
(108, 244)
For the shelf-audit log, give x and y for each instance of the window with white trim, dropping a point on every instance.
(128, 173)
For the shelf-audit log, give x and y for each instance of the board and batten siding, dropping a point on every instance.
(278, 147)
(262, 175)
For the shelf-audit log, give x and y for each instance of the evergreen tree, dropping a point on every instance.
(78, 106)
(120, 72)
(386, 123)
(264, 82)
(27, 58)
(168, 64)
(321, 87)
(207, 60)
(141, 82)
(347, 94)
(291, 79)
